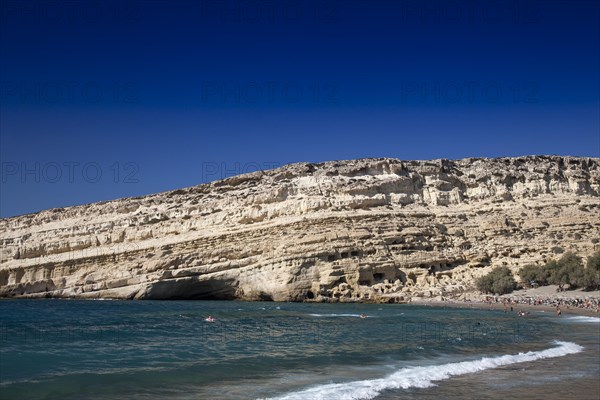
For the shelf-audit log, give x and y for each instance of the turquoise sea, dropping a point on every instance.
(70, 349)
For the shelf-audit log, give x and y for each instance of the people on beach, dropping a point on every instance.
(592, 304)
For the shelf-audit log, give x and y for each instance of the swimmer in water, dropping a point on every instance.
(209, 319)
(363, 315)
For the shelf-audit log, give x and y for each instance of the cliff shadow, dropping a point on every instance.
(192, 289)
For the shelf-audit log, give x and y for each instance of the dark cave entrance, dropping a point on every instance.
(193, 289)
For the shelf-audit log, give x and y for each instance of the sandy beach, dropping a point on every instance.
(519, 300)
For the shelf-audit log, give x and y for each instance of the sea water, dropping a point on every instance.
(71, 349)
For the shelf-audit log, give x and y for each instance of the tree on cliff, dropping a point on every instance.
(571, 269)
(499, 281)
(568, 270)
(591, 278)
(593, 261)
(533, 275)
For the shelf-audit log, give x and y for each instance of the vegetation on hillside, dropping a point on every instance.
(499, 281)
(567, 270)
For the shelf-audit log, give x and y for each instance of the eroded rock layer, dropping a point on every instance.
(362, 230)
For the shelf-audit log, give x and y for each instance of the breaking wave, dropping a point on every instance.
(334, 315)
(423, 377)
(581, 318)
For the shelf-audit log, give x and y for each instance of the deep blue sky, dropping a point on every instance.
(115, 99)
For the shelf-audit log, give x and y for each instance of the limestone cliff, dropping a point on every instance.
(362, 230)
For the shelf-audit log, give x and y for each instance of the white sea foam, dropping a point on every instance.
(581, 318)
(422, 377)
(335, 315)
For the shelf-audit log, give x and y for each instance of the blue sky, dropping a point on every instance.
(102, 100)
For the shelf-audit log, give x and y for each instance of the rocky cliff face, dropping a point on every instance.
(363, 230)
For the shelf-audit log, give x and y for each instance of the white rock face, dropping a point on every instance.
(361, 230)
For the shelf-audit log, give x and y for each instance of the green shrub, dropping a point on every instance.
(593, 261)
(551, 271)
(568, 270)
(499, 281)
(591, 278)
(533, 274)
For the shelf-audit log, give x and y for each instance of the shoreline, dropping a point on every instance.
(544, 299)
(500, 307)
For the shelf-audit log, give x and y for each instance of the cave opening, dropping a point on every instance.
(265, 296)
(192, 289)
